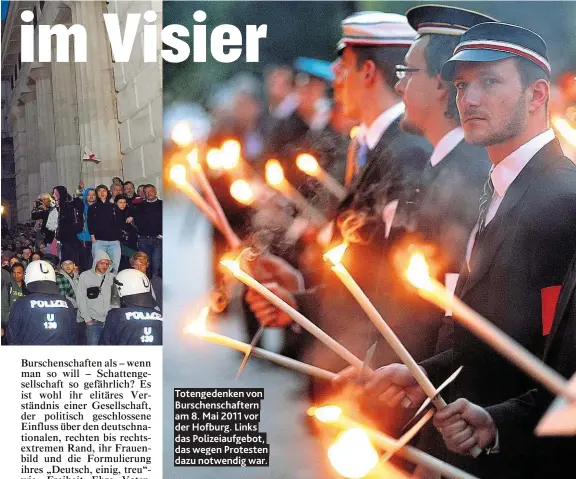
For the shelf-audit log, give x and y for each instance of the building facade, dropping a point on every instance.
(87, 121)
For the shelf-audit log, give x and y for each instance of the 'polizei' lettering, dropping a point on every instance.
(142, 315)
(53, 303)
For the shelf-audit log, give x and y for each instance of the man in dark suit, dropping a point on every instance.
(374, 216)
(521, 247)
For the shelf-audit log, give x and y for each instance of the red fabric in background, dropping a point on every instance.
(550, 297)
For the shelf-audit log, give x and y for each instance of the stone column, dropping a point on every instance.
(68, 153)
(97, 116)
(32, 154)
(46, 135)
(23, 201)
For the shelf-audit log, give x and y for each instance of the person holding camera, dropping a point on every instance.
(70, 223)
(95, 296)
(40, 213)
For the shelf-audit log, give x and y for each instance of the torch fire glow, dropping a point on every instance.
(230, 152)
(309, 165)
(214, 159)
(334, 415)
(275, 178)
(182, 134)
(234, 267)
(565, 129)
(242, 192)
(430, 289)
(352, 455)
(199, 329)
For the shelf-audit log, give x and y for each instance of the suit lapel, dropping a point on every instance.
(501, 226)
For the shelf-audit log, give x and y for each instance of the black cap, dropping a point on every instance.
(444, 20)
(491, 42)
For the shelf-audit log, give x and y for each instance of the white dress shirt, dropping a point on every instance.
(370, 135)
(504, 174)
(446, 145)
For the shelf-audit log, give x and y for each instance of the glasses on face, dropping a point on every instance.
(403, 70)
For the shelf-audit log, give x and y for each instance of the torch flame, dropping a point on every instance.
(178, 174)
(354, 131)
(418, 273)
(232, 264)
(308, 164)
(214, 159)
(274, 172)
(352, 455)
(335, 254)
(198, 326)
(182, 134)
(193, 160)
(242, 192)
(565, 129)
(230, 150)
(325, 414)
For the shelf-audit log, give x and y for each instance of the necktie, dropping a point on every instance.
(485, 203)
(361, 156)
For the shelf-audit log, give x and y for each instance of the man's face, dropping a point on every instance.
(417, 89)
(129, 190)
(102, 266)
(350, 82)
(102, 194)
(493, 105)
(91, 197)
(26, 253)
(18, 274)
(68, 267)
(116, 190)
(140, 264)
(150, 193)
(141, 191)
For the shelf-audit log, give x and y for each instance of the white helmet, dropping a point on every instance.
(131, 281)
(39, 270)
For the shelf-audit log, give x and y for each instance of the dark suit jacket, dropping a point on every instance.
(526, 248)
(517, 418)
(392, 171)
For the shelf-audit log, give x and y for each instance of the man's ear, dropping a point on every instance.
(540, 94)
(369, 71)
(442, 89)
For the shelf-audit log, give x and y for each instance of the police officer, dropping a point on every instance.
(44, 316)
(136, 322)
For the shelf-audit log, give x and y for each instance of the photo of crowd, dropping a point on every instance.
(82, 244)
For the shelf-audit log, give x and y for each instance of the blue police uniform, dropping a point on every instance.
(134, 325)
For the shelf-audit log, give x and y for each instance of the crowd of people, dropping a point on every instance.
(454, 153)
(86, 240)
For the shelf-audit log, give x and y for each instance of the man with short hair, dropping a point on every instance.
(517, 254)
(95, 296)
(26, 254)
(129, 191)
(116, 189)
(148, 217)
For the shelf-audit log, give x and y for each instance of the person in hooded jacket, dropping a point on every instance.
(89, 198)
(104, 227)
(70, 223)
(128, 230)
(95, 296)
(44, 316)
(136, 322)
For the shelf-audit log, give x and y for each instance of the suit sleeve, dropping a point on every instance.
(438, 367)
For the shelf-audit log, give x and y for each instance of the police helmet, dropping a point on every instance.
(39, 270)
(131, 281)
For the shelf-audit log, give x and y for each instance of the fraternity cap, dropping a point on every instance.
(376, 29)
(444, 20)
(491, 42)
(311, 67)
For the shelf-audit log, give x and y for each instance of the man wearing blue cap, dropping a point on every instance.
(517, 255)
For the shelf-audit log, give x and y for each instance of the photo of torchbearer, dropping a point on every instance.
(375, 223)
(81, 177)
